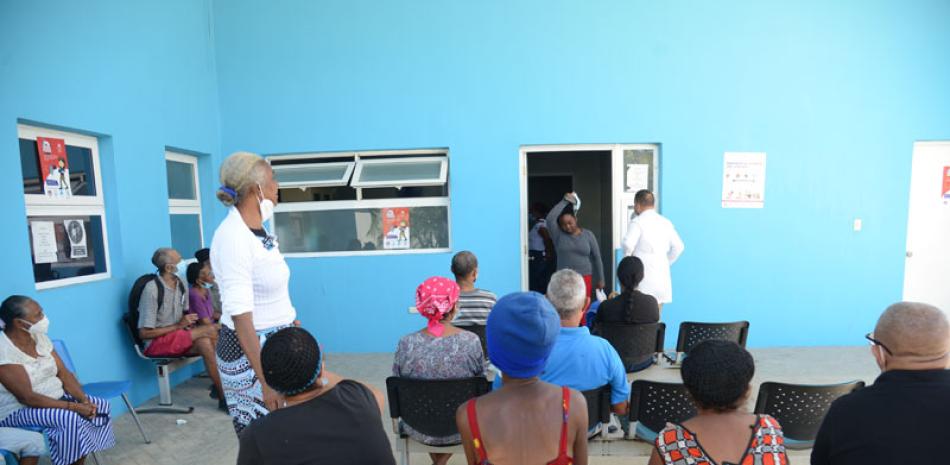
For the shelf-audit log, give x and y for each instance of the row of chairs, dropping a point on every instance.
(634, 342)
(429, 407)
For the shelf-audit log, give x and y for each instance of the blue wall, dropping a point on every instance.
(142, 76)
(835, 92)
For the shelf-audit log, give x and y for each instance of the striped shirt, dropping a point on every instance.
(474, 307)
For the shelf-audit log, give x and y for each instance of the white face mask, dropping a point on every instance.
(267, 207)
(40, 327)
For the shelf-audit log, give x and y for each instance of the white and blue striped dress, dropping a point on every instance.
(70, 436)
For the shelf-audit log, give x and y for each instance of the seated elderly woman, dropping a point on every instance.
(717, 375)
(527, 421)
(322, 418)
(438, 351)
(37, 390)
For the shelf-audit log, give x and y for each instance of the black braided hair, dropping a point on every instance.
(290, 359)
(630, 273)
(717, 374)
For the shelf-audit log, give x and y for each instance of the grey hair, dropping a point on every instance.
(464, 263)
(566, 292)
(240, 172)
(14, 307)
(162, 257)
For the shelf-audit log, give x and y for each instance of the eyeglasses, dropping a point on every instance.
(875, 342)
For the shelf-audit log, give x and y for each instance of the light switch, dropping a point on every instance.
(857, 225)
(413, 310)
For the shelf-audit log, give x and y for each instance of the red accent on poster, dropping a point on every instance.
(395, 228)
(946, 183)
(54, 167)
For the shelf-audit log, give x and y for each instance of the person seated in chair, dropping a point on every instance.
(630, 306)
(526, 421)
(438, 351)
(166, 326)
(203, 257)
(321, 419)
(580, 360)
(474, 304)
(718, 376)
(36, 389)
(200, 300)
(901, 418)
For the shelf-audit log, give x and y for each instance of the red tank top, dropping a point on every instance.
(562, 457)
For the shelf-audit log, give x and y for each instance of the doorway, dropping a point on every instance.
(605, 176)
(927, 262)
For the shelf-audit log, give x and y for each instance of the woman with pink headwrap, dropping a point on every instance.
(438, 351)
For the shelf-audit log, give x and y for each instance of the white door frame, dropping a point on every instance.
(617, 201)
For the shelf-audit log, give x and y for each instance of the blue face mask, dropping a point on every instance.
(207, 285)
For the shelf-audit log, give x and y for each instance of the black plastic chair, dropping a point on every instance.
(429, 405)
(654, 404)
(800, 409)
(635, 343)
(692, 333)
(598, 408)
(479, 331)
(164, 366)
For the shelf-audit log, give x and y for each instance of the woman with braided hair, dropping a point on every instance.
(323, 418)
(629, 307)
(718, 376)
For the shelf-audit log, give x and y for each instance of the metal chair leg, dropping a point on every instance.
(95, 458)
(405, 452)
(135, 417)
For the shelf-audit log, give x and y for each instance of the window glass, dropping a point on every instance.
(638, 157)
(396, 172)
(186, 233)
(405, 192)
(316, 194)
(72, 246)
(313, 175)
(358, 229)
(79, 161)
(181, 180)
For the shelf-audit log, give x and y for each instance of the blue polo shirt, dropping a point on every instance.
(583, 361)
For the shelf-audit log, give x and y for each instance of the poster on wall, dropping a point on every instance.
(77, 238)
(44, 241)
(54, 167)
(638, 177)
(743, 180)
(395, 228)
(946, 185)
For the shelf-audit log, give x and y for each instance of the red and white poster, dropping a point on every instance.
(946, 184)
(395, 228)
(54, 167)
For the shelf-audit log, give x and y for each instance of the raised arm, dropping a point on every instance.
(554, 229)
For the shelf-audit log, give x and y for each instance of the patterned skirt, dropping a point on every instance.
(70, 435)
(242, 389)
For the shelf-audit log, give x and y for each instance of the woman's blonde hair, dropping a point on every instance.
(239, 172)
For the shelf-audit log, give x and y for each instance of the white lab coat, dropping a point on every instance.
(652, 238)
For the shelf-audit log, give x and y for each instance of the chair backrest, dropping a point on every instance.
(692, 333)
(479, 331)
(634, 342)
(132, 325)
(655, 404)
(429, 405)
(598, 405)
(60, 347)
(800, 409)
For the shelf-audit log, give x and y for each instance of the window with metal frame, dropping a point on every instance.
(184, 203)
(65, 206)
(362, 203)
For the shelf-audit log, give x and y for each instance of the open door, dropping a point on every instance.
(627, 169)
(928, 226)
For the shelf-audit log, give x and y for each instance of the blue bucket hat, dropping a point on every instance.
(522, 328)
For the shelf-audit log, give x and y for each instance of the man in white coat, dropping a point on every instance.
(652, 238)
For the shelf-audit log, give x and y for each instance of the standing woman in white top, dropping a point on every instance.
(652, 238)
(253, 278)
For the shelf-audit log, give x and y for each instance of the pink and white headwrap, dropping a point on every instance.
(435, 297)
